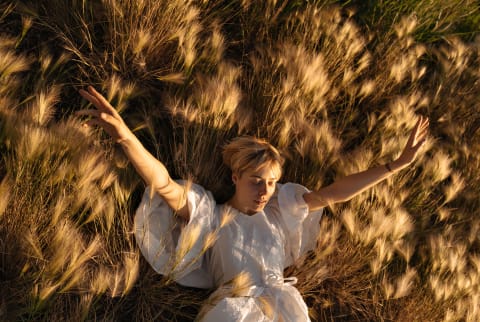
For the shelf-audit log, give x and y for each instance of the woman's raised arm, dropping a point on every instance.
(346, 188)
(148, 167)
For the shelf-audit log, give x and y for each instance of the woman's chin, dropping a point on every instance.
(258, 206)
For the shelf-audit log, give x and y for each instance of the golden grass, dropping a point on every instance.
(335, 96)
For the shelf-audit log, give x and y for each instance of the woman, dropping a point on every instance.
(256, 234)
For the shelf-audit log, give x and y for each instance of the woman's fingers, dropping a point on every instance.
(98, 100)
(104, 109)
(106, 124)
(93, 113)
(102, 100)
(422, 124)
(424, 127)
(104, 115)
(422, 131)
(90, 98)
(99, 115)
(417, 137)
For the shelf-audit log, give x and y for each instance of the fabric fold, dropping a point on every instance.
(259, 245)
(301, 225)
(172, 246)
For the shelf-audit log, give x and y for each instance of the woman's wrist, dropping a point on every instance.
(128, 141)
(395, 166)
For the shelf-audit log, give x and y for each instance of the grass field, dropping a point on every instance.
(335, 85)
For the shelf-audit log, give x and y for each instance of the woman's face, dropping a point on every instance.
(253, 189)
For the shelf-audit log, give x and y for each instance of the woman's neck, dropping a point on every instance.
(234, 203)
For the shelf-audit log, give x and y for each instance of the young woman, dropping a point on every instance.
(262, 229)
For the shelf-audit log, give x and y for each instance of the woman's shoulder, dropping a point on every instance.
(197, 192)
(289, 192)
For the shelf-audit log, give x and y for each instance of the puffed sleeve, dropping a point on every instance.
(172, 246)
(301, 226)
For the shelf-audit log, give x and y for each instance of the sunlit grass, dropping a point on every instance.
(336, 88)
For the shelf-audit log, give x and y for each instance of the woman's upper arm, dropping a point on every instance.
(322, 198)
(175, 195)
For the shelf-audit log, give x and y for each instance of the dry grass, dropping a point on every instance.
(336, 95)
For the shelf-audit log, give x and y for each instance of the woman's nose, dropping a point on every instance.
(263, 189)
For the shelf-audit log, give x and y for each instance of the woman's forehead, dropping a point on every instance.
(270, 171)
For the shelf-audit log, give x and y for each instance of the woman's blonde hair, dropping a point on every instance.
(248, 152)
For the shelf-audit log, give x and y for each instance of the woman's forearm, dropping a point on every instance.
(156, 175)
(152, 171)
(348, 187)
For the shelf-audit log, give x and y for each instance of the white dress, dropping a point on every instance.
(261, 245)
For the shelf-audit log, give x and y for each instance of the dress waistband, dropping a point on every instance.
(275, 280)
(271, 281)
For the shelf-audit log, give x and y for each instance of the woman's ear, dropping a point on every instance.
(234, 178)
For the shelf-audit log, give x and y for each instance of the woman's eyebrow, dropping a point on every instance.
(260, 177)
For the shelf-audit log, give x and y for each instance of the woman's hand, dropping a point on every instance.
(104, 115)
(348, 187)
(153, 172)
(415, 142)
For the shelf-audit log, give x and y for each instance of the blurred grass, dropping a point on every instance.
(438, 19)
(335, 85)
